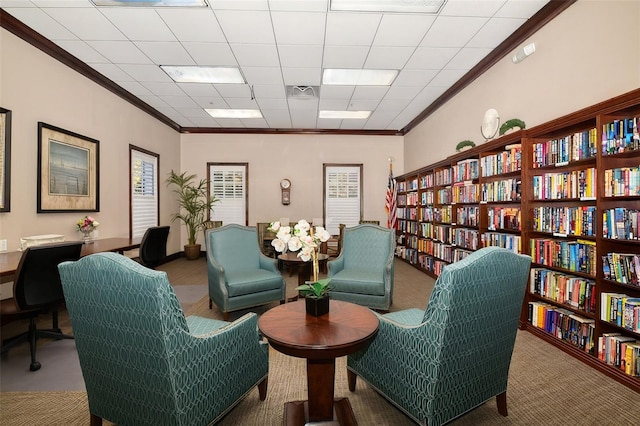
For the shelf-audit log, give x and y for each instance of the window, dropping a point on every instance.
(342, 195)
(228, 183)
(144, 210)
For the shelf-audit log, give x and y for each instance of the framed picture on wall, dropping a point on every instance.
(68, 171)
(5, 160)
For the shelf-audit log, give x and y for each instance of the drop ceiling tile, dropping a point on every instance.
(391, 105)
(145, 72)
(402, 30)
(431, 58)
(239, 5)
(241, 27)
(334, 104)
(520, 9)
(404, 93)
(198, 89)
(485, 8)
(304, 119)
(495, 31)
(112, 72)
(154, 101)
(328, 123)
(210, 101)
(242, 103)
(446, 78)
(450, 31)
(191, 113)
(336, 92)
(233, 90)
(139, 24)
(300, 56)
(263, 75)
(211, 54)
(352, 124)
(36, 18)
(277, 119)
(204, 122)
(388, 57)
(269, 91)
(86, 23)
(82, 51)
(467, 58)
(179, 101)
(428, 95)
(54, 3)
(165, 52)
(256, 55)
(120, 52)
(299, 27)
(344, 56)
(302, 6)
(369, 92)
(273, 103)
(414, 78)
(254, 123)
(164, 89)
(362, 105)
(136, 88)
(303, 104)
(193, 24)
(230, 123)
(351, 29)
(301, 76)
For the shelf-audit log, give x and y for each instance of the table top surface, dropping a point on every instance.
(9, 260)
(345, 329)
(292, 256)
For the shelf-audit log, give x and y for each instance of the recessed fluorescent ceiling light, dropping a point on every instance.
(353, 77)
(151, 3)
(345, 114)
(191, 74)
(234, 113)
(414, 6)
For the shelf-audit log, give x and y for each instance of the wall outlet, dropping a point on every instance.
(3, 245)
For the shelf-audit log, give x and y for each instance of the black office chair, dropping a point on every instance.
(37, 289)
(153, 248)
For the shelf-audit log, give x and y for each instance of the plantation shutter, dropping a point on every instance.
(343, 197)
(144, 192)
(228, 185)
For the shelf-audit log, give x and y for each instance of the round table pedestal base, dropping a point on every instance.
(296, 413)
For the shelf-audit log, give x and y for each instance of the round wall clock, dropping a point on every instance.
(285, 187)
(490, 124)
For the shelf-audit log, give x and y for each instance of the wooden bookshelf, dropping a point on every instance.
(545, 192)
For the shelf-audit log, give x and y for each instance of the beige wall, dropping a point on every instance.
(588, 54)
(35, 87)
(299, 158)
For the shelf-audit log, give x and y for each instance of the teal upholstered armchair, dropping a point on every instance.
(240, 275)
(436, 365)
(142, 361)
(363, 272)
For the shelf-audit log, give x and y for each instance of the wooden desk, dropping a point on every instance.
(346, 329)
(9, 260)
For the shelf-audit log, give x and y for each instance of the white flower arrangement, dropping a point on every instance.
(303, 238)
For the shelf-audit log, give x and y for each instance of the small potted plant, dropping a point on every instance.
(316, 296)
(194, 204)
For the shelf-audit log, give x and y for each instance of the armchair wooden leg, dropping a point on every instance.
(225, 316)
(95, 420)
(210, 303)
(501, 401)
(262, 388)
(351, 379)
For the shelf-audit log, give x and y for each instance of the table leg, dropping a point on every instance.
(304, 273)
(320, 384)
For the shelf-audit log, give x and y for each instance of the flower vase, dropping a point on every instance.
(317, 306)
(86, 236)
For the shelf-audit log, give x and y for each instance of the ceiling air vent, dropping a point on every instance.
(303, 92)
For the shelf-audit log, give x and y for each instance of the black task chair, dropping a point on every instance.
(37, 289)
(153, 248)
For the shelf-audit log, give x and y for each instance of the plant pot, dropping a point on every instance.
(192, 251)
(317, 306)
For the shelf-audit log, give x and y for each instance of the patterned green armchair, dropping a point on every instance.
(436, 365)
(363, 272)
(240, 275)
(143, 362)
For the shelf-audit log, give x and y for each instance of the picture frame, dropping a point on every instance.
(5, 160)
(68, 171)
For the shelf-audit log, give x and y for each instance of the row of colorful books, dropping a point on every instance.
(504, 218)
(465, 193)
(622, 267)
(426, 197)
(431, 264)
(622, 352)
(466, 170)
(501, 190)
(444, 196)
(620, 136)
(620, 309)
(621, 223)
(466, 238)
(508, 241)
(577, 146)
(576, 292)
(443, 176)
(576, 256)
(426, 181)
(563, 324)
(571, 184)
(507, 161)
(468, 216)
(578, 220)
(622, 182)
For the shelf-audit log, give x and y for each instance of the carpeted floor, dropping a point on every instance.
(546, 386)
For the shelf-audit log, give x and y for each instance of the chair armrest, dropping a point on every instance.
(268, 263)
(336, 265)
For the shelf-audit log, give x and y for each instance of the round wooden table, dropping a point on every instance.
(346, 329)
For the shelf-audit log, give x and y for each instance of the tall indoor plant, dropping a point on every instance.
(194, 204)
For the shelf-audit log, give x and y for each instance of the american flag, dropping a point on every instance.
(390, 201)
